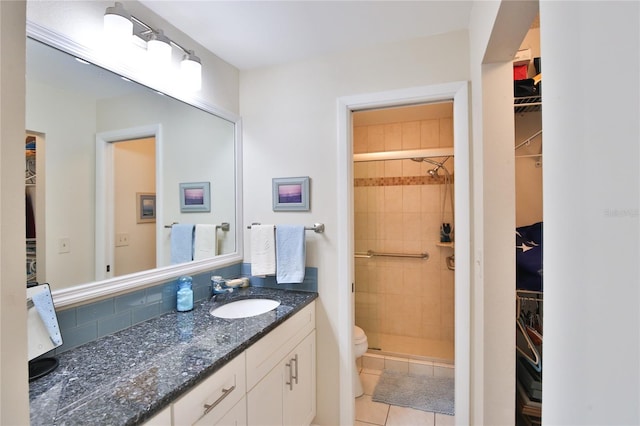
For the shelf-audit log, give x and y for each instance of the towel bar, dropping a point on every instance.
(224, 226)
(318, 228)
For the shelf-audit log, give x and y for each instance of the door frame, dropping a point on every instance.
(105, 223)
(459, 93)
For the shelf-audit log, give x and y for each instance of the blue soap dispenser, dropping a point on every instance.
(185, 294)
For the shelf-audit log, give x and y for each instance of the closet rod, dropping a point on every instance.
(528, 140)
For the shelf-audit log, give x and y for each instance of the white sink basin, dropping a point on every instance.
(244, 308)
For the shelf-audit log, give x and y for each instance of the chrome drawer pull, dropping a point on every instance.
(290, 382)
(292, 376)
(225, 393)
(295, 359)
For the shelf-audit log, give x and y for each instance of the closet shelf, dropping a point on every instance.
(527, 104)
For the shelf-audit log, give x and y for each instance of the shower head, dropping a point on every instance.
(438, 165)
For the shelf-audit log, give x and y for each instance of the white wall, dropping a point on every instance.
(496, 31)
(14, 403)
(591, 96)
(290, 129)
(68, 213)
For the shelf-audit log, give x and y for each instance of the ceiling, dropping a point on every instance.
(255, 34)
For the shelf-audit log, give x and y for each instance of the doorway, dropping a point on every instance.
(458, 92)
(404, 230)
(106, 194)
(134, 183)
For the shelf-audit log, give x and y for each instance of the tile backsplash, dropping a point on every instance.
(85, 323)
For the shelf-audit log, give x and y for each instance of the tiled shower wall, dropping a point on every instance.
(398, 210)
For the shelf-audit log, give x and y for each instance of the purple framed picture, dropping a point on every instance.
(195, 197)
(291, 194)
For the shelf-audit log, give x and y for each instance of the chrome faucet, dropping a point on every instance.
(218, 286)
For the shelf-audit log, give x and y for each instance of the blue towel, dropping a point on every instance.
(290, 254)
(181, 243)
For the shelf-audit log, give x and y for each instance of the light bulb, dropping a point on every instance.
(159, 48)
(117, 23)
(191, 71)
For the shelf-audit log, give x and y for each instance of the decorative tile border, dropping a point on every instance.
(400, 181)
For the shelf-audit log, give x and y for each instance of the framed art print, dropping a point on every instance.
(291, 194)
(145, 207)
(195, 197)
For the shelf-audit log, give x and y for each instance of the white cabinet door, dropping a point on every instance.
(287, 395)
(264, 401)
(299, 391)
(268, 352)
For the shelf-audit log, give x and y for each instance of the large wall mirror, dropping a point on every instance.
(110, 159)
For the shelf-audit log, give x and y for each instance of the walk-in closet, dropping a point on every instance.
(529, 225)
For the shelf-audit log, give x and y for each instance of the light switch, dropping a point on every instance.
(122, 239)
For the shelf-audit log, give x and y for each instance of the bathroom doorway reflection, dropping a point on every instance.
(404, 231)
(134, 174)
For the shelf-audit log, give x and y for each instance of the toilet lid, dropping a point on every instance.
(358, 335)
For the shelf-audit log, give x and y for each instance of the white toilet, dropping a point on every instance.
(360, 346)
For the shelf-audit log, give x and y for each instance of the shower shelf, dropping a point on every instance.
(404, 154)
(449, 245)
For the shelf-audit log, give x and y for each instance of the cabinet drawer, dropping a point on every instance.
(210, 400)
(267, 352)
(237, 416)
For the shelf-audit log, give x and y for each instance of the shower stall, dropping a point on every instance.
(404, 230)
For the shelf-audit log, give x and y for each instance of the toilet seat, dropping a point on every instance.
(360, 346)
(358, 335)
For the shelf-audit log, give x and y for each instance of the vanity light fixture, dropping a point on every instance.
(120, 25)
(117, 23)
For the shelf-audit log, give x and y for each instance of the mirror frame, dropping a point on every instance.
(84, 293)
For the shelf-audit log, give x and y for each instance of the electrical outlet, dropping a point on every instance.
(122, 239)
(64, 245)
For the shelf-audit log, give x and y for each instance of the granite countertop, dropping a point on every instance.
(129, 376)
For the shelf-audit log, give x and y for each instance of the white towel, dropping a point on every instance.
(290, 253)
(263, 250)
(205, 242)
(181, 243)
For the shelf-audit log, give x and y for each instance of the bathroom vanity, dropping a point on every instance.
(191, 368)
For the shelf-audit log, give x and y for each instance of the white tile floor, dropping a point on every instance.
(375, 413)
